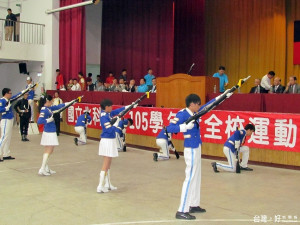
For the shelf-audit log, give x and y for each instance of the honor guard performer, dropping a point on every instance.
(190, 195)
(80, 128)
(7, 121)
(231, 146)
(23, 108)
(163, 140)
(108, 145)
(30, 98)
(49, 136)
(121, 132)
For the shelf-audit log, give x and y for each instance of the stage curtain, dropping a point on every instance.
(72, 44)
(136, 35)
(189, 36)
(248, 37)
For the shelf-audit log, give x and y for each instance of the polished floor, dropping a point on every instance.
(148, 192)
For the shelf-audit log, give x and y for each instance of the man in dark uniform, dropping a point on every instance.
(23, 108)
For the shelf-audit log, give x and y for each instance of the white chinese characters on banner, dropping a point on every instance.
(261, 130)
(213, 122)
(70, 117)
(232, 124)
(96, 116)
(156, 121)
(285, 133)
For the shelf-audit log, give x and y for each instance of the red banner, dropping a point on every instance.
(272, 130)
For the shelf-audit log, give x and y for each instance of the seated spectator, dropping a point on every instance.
(100, 86)
(98, 80)
(292, 87)
(70, 84)
(257, 88)
(131, 87)
(143, 87)
(90, 75)
(106, 87)
(110, 78)
(122, 86)
(153, 87)
(277, 87)
(124, 76)
(90, 85)
(266, 81)
(81, 81)
(115, 86)
(76, 86)
(148, 77)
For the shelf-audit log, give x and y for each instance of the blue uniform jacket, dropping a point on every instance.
(192, 137)
(108, 130)
(163, 135)
(122, 124)
(46, 112)
(238, 135)
(30, 94)
(82, 120)
(6, 114)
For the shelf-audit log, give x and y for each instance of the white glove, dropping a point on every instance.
(184, 127)
(237, 144)
(117, 122)
(50, 119)
(8, 106)
(229, 94)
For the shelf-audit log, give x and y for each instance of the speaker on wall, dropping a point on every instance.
(23, 68)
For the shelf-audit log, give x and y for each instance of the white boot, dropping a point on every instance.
(101, 188)
(108, 184)
(49, 170)
(43, 171)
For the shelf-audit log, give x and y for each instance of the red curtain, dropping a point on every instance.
(72, 44)
(189, 36)
(136, 35)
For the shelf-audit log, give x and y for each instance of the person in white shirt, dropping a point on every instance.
(76, 85)
(153, 88)
(266, 80)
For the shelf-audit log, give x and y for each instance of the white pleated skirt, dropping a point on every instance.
(108, 147)
(49, 139)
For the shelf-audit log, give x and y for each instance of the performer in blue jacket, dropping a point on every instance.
(190, 195)
(121, 132)
(230, 150)
(80, 127)
(164, 142)
(6, 123)
(49, 137)
(108, 145)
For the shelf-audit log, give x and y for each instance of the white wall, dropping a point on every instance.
(11, 77)
(34, 11)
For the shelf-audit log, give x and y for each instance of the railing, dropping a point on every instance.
(24, 32)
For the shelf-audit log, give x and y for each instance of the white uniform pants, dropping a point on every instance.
(6, 132)
(164, 149)
(190, 195)
(231, 157)
(31, 103)
(82, 138)
(120, 142)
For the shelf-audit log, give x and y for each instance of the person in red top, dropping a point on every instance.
(81, 81)
(110, 78)
(59, 80)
